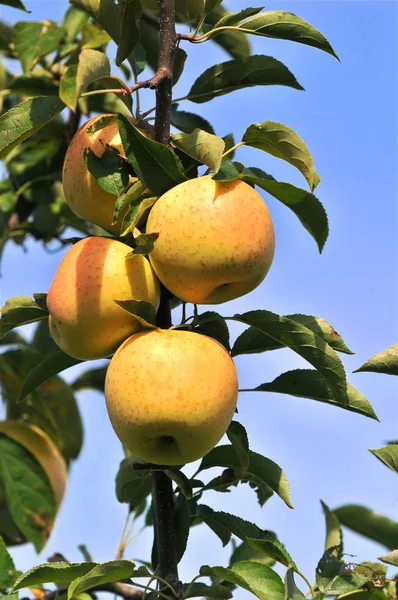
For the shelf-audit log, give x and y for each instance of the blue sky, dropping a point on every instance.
(348, 118)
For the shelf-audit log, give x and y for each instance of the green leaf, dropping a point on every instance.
(303, 341)
(179, 64)
(143, 311)
(248, 553)
(129, 14)
(260, 467)
(307, 383)
(201, 590)
(282, 142)
(210, 5)
(305, 206)
(18, 311)
(28, 493)
(33, 40)
(214, 325)
(51, 365)
(8, 572)
(54, 571)
(287, 26)
(110, 170)
(132, 486)
(252, 340)
(105, 12)
(144, 243)
(233, 41)
(22, 121)
(110, 82)
(334, 577)
(74, 20)
(108, 572)
(387, 455)
(369, 523)
(155, 164)
(205, 515)
(384, 362)
(291, 590)
(133, 196)
(391, 558)
(240, 73)
(238, 437)
(182, 524)
(182, 481)
(94, 37)
(187, 122)
(135, 212)
(229, 171)
(92, 65)
(15, 4)
(204, 147)
(257, 578)
(234, 18)
(334, 536)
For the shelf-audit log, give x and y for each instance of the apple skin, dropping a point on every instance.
(216, 240)
(171, 395)
(82, 192)
(84, 320)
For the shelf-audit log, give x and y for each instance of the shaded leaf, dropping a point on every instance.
(143, 311)
(240, 73)
(282, 142)
(18, 311)
(111, 82)
(182, 481)
(282, 25)
(22, 121)
(238, 437)
(135, 212)
(229, 171)
(384, 362)
(144, 243)
(182, 524)
(307, 383)
(334, 536)
(179, 63)
(205, 515)
(105, 12)
(387, 455)
(131, 196)
(93, 36)
(92, 65)
(129, 16)
(73, 22)
(257, 578)
(108, 572)
(233, 41)
(48, 572)
(204, 147)
(201, 590)
(391, 558)
(8, 573)
(155, 164)
(214, 325)
(15, 4)
(187, 122)
(132, 486)
(369, 523)
(334, 577)
(248, 553)
(33, 40)
(291, 590)
(51, 365)
(110, 170)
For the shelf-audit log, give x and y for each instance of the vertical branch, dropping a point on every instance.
(162, 490)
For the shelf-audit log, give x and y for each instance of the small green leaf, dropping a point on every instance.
(110, 170)
(49, 572)
(133, 196)
(108, 572)
(308, 383)
(214, 325)
(291, 590)
(303, 341)
(91, 379)
(238, 437)
(144, 243)
(282, 25)
(205, 515)
(384, 362)
(74, 20)
(22, 121)
(187, 122)
(229, 171)
(18, 311)
(182, 522)
(305, 206)
(135, 212)
(155, 164)
(282, 142)
(246, 552)
(8, 573)
(240, 73)
(92, 65)
(179, 63)
(369, 523)
(129, 16)
(234, 18)
(28, 493)
(132, 486)
(334, 577)
(257, 578)
(51, 365)
(182, 481)
(100, 123)
(110, 82)
(33, 40)
(388, 455)
(143, 311)
(105, 12)
(334, 536)
(204, 147)
(233, 41)
(391, 558)
(94, 37)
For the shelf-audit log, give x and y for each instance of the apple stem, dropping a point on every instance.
(162, 489)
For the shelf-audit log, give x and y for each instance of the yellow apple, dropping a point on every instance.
(216, 240)
(84, 320)
(82, 192)
(171, 395)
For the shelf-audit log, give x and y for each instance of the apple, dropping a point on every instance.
(216, 240)
(82, 192)
(171, 395)
(84, 320)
